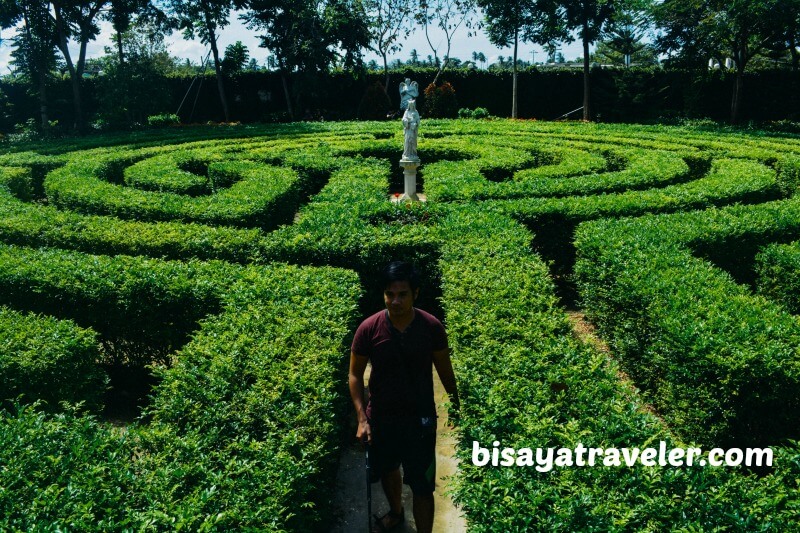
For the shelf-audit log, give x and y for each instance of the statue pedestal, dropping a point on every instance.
(410, 166)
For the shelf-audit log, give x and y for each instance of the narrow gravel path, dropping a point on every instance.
(351, 491)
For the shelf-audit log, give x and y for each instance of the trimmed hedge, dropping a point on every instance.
(525, 382)
(180, 172)
(721, 365)
(246, 204)
(37, 225)
(17, 181)
(64, 469)
(778, 275)
(244, 426)
(143, 308)
(729, 181)
(51, 360)
(251, 410)
(243, 430)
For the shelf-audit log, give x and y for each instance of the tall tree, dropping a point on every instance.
(622, 42)
(236, 57)
(784, 46)
(122, 13)
(76, 20)
(389, 24)
(130, 91)
(589, 19)
(205, 18)
(309, 35)
(508, 22)
(447, 16)
(721, 28)
(34, 43)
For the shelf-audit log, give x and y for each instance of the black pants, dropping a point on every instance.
(404, 441)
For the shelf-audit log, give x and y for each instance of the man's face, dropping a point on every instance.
(399, 298)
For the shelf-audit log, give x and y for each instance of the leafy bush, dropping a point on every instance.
(64, 469)
(264, 196)
(164, 119)
(477, 113)
(49, 360)
(526, 382)
(778, 275)
(719, 364)
(440, 101)
(144, 309)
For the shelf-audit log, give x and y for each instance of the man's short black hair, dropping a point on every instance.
(400, 271)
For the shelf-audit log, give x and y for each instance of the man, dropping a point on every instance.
(399, 420)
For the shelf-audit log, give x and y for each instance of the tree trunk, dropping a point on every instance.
(73, 74)
(587, 86)
(435, 55)
(286, 93)
(212, 41)
(43, 101)
(76, 102)
(738, 88)
(218, 70)
(438, 72)
(514, 77)
(736, 101)
(37, 72)
(385, 71)
(119, 49)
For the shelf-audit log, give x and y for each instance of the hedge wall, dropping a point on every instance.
(635, 95)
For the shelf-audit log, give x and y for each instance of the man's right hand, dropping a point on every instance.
(364, 433)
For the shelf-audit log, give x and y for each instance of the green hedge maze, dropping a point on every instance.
(176, 309)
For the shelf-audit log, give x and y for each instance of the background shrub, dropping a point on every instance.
(440, 101)
(165, 119)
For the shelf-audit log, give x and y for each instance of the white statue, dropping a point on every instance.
(410, 129)
(409, 90)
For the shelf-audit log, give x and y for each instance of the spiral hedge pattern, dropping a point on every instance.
(238, 261)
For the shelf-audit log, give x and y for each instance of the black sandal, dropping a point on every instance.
(380, 527)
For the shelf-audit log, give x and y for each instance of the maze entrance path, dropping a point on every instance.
(351, 494)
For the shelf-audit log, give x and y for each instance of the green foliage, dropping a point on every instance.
(166, 119)
(236, 57)
(789, 174)
(132, 93)
(440, 101)
(133, 86)
(250, 400)
(263, 195)
(677, 321)
(526, 382)
(310, 36)
(17, 181)
(143, 309)
(63, 469)
(778, 275)
(478, 112)
(49, 360)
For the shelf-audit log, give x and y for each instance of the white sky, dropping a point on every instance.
(462, 46)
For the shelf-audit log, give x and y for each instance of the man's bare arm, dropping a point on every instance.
(358, 364)
(444, 367)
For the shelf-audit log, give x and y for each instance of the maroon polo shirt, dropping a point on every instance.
(401, 382)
